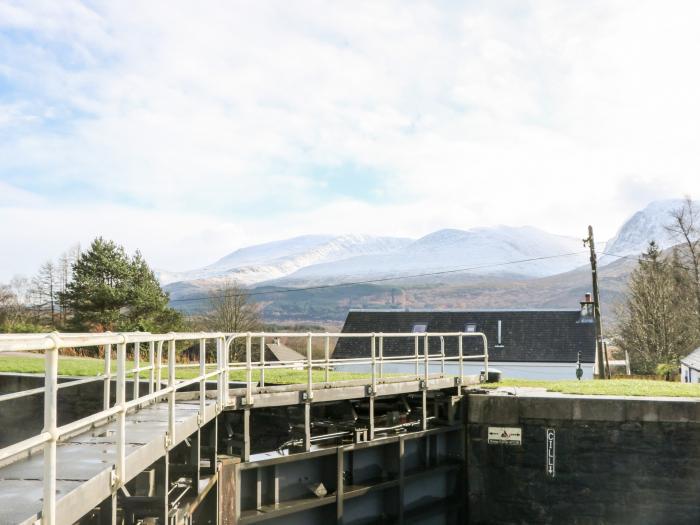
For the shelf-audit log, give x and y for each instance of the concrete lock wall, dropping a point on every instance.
(24, 416)
(611, 461)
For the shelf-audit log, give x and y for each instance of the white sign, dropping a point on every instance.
(505, 436)
(550, 452)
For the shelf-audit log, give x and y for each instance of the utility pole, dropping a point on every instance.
(600, 358)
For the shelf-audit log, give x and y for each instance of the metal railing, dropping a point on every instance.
(219, 370)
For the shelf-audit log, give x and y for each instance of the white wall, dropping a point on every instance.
(689, 375)
(510, 370)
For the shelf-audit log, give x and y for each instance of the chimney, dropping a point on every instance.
(586, 309)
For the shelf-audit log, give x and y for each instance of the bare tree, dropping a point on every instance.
(21, 287)
(8, 301)
(653, 324)
(65, 274)
(685, 228)
(11, 310)
(231, 310)
(45, 289)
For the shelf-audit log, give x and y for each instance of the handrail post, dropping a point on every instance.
(486, 358)
(426, 360)
(171, 393)
(137, 366)
(442, 356)
(108, 377)
(373, 393)
(309, 386)
(373, 347)
(225, 371)
(121, 415)
(248, 370)
(415, 359)
(381, 356)
(48, 513)
(202, 382)
(225, 346)
(151, 365)
(159, 358)
(262, 360)
(461, 360)
(220, 375)
(327, 355)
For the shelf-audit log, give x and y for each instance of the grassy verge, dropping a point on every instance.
(81, 366)
(614, 387)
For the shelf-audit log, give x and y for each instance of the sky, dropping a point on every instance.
(190, 129)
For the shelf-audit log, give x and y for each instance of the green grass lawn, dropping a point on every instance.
(613, 387)
(82, 366)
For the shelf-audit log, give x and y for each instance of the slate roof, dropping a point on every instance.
(278, 352)
(692, 360)
(526, 335)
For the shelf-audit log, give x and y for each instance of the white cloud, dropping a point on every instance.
(208, 123)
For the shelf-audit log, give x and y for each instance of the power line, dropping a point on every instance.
(621, 256)
(378, 280)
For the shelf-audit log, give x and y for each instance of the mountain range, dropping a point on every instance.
(503, 259)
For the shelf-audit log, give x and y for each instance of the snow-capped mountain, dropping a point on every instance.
(644, 226)
(478, 248)
(328, 258)
(279, 259)
(493, 251)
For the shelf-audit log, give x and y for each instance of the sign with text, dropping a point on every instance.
(551, 452)
(505, 436)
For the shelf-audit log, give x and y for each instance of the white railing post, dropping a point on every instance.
(137, 373)
(48, 513)
(151, 365)
(171, 394)
(107, 387)
(373, 350)
(226, 369)
(202, 382)
(426, 357)
(121, 415)
(219, 376)
(381, 356)
(442, 356)
(309, 385)
(262, 360)
(248, 370)
(159, 359)
(461, 360)
(486, 358)
(327, 355)
(416, 345)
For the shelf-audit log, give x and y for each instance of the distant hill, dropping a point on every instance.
(460, 291)
(325, 259)
(272, 269)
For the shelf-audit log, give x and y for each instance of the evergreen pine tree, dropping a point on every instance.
(111, 291)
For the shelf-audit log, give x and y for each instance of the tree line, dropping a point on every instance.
(659, 322)
(105, 289)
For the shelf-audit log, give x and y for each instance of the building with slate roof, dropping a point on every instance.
(690, 367)
(276, 351)
(537, 344)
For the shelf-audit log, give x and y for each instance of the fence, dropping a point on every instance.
(218, 370)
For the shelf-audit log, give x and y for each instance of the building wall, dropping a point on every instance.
(509, 370)
(689, 375)
(616, 461)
